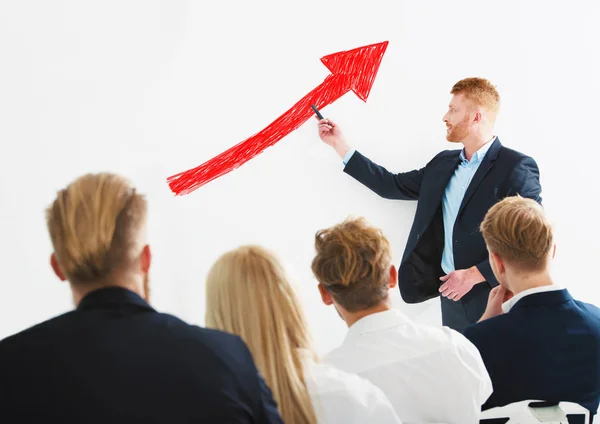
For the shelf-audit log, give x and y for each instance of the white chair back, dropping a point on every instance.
(523, 413)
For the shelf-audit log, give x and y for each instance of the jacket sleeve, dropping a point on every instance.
(525, 182)
(486, 270)
(402, 186)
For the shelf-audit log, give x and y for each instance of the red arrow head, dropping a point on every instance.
(359, 66)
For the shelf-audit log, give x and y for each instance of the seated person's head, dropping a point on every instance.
(520, 242)
(249, 294)
(353, 267)
(97, 228)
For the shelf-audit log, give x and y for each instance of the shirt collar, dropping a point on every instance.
(507, 306)
(479, 154)
(378, 321)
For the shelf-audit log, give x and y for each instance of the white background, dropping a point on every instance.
(151, 88)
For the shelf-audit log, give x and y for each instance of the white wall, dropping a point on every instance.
(151, 88)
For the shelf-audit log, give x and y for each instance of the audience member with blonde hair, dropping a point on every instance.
(430, 374)
(536, 340)
(444, 256)
(114, 359)
(249, 294)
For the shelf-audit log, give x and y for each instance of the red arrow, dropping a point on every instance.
(350, 70)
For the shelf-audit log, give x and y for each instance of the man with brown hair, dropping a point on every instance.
(445, 254)
(537, 342)
(430, 374)
(114, 359)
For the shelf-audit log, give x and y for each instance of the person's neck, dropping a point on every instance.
(473, 144)
(81, 290)
(352, 317)
(519, 282)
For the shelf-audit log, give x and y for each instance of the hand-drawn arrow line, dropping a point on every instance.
(350, 70)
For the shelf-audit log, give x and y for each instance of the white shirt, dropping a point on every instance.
(340, 397)
(507, 306)
(430, 374)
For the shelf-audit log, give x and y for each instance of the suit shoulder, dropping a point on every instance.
(220, 338)
(32, 339)
(215, 340)
(496, 325)
(448, 153)
(204, 333)
(35, 331)
(443, 156)
(514, 156)
(592, 312)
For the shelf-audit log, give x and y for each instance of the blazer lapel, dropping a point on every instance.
(486, 165)
(444, 172)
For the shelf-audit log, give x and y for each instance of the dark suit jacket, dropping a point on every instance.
(546, 347)
(116, 360)
(503, 172)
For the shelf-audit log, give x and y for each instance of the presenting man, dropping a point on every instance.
(445, 252)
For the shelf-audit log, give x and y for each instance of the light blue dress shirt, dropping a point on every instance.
(453, 196)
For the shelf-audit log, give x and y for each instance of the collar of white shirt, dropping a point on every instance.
(507, 306)
(378, 321)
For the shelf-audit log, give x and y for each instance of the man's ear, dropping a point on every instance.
(393, 277)
(325, 295)
(553, 251)
(477, 116)
(146, 259)
(56, 267)
(498, 262)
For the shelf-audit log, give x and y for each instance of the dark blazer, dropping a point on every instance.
(116, 360)
(546, 347)
(503, 172)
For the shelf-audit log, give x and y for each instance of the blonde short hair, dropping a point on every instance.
(479, 91)
(94, 225)
(517, 229)
(353, 263)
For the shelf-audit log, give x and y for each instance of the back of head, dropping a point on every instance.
(248, 294)
(353, 263)
(518, 231)
(96, 226)
(480, 92)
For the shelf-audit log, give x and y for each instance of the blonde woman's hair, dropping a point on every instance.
(248, 294)
(517, 229)
(94, 225)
